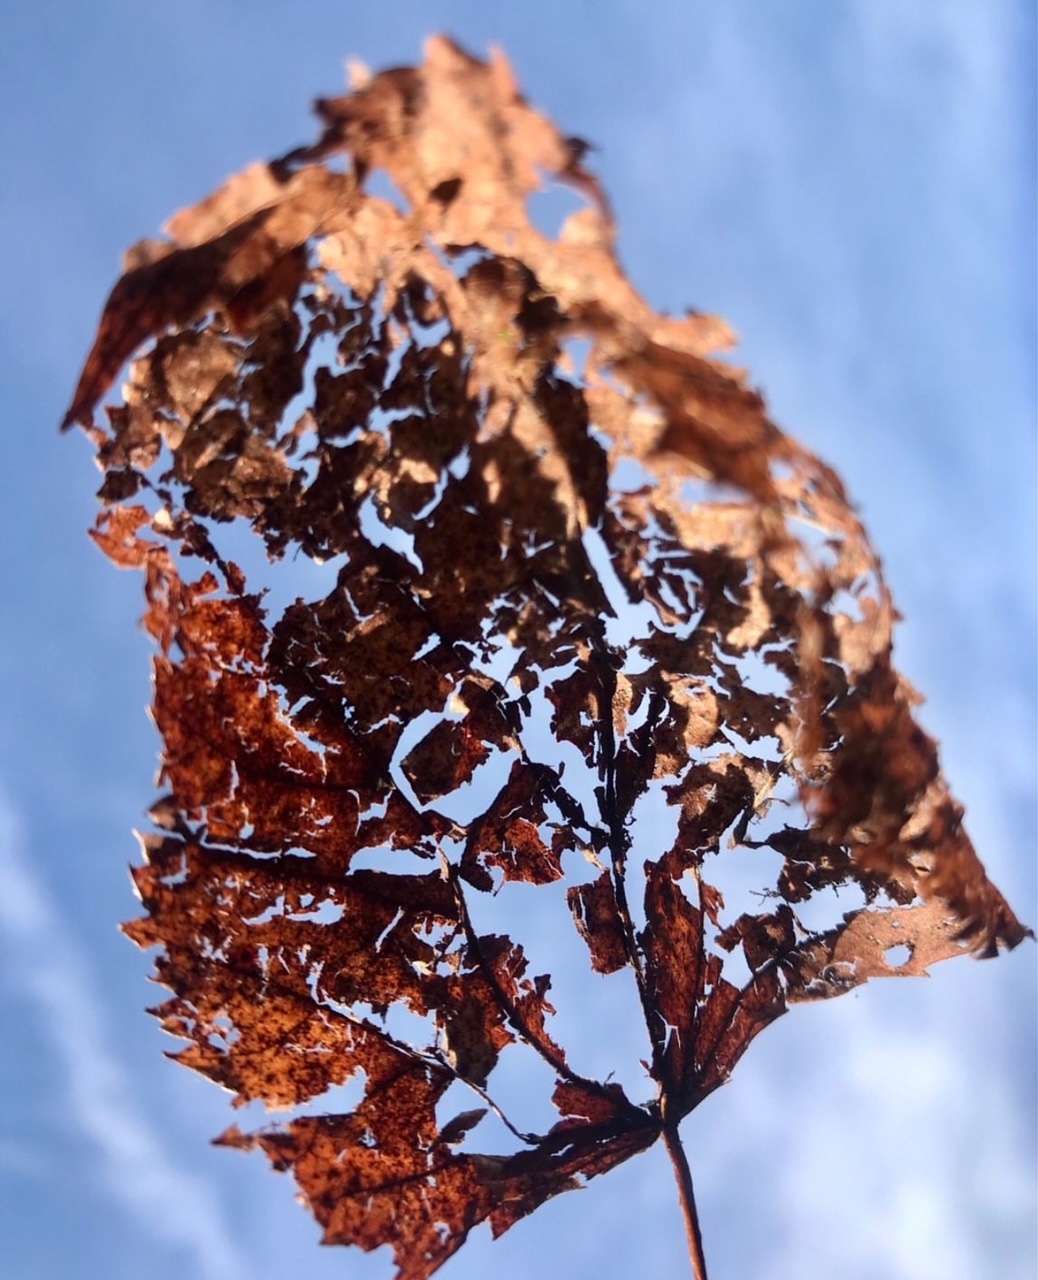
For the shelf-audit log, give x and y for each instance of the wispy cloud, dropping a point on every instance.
(165, 1202)
(921, 1183)
(901, 1149)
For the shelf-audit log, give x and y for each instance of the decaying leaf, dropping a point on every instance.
(571, 577)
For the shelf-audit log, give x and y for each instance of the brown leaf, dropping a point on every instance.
(598, 923)
(507, 836)
(529, 517)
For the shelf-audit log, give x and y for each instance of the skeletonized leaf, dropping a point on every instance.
(545, 588)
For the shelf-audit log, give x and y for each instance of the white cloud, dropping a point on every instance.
(901, 1154)
(164, 1201)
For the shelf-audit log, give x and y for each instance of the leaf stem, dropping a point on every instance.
(602, 664)
(687, 1198)
(530, 1139)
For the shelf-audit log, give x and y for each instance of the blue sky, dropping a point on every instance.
(852, 187)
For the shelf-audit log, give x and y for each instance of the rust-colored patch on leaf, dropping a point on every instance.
(570, 598)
